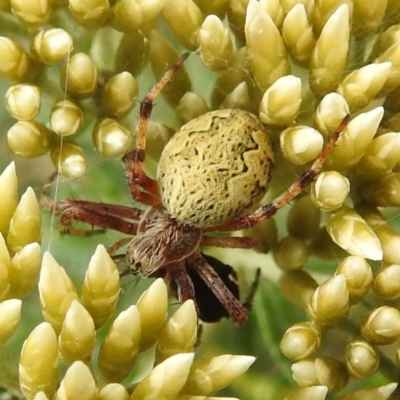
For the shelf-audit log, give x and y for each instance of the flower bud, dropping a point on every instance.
(361, 359)
(157, 385)
(215, 44)
(69, 159)
(382, 325)
(152, 319)
(51, 46)
(358, 276)
(101, 287)
(320, 371)
(184, 19)
(301, 144)
(191, 106)
(384, 192)
(79, 76)
(329, 56)
(371, 393)
(179, 334)
(113, 391)
(78, 383)
(32, 13)
(78, 336)
(298, 35)
(10, 315)
(300, 341)
(291, 253)
(90, 13)
(26, 223)
(348, 230)
(23, 101)
(29, 139)
(330, 301)
(281, 102)
(211, 374)
(121, 345)
(329, 190)
(387, 282)
(9, 198)
(309, 393)
(39, 362)
(267, 63)
(111, 138)
(66, 118)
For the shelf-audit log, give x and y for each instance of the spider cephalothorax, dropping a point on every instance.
(209, 174)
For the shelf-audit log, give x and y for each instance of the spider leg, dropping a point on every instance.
(93, 214)
(134, 160)
(183, 283)
(222, 293)
(264, 212)
(232, 242)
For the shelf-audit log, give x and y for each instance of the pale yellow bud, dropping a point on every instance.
(78, 336)
(119, 350)
(179, 334)
(29, 139)
(152, 319)
(16, 65)
(69, 159)
(358, 276)
(184, 19)
(238, 98)
(361, 86)
(23, 101)
(320, 371)
(382, 325)
(387, 282)
(39, 362)
(26, 223)
(79, 75)
(32, 13)
(211, 374)
(24, 269)
(301, 144)
(291, 253)
(78, 383)
(281, 102)
(113, 391)
(329, 56)
(90, 13)
(56, 291)
(9, 197)
(330, 301)
(349, 231)
(361, 359)
(298, 35)
(215, 44)
(330, 113)
(329, 190)
(267, 63)
(157, 136)
(300, 341)
(51, 46)
(10, 315)
(324, 10)
(119, 95)
(66, 118)
(380, 157)
(157, 385)
(111, 138)
(101, 287)
(297, 287)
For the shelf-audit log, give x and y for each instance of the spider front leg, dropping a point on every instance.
(264, 212)
(143, 188)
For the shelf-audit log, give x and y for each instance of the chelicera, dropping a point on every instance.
(209, 174)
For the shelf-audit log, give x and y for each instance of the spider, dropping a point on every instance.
(209, 174)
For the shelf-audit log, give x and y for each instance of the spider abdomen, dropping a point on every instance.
(215, 167)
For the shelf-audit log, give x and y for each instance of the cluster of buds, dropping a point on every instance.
(69, 334)
(256, 55)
